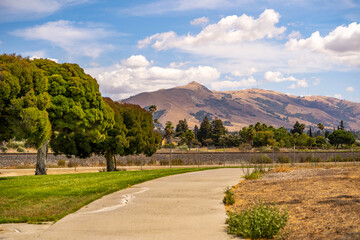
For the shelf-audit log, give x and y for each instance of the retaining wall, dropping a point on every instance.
(202, 158)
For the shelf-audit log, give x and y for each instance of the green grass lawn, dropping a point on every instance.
(49, 198)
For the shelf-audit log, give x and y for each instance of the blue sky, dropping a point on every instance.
(299, 47)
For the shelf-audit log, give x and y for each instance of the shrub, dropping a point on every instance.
(284, 159)
(245, 147)
(152, 161)
(72, 164)
(229, 197)
(164, 162)
(177, 161)
(4, 149)
(255, 174)
(20, 149)
(61, 163)
(13, 145)
(261, 159)
(261, 221)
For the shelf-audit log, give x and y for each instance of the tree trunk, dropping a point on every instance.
(41, 159)
(109, 161)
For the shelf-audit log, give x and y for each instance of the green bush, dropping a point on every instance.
(15, 145)
(261, 159)
(255, 174)
(245, 147)
(229, 197)
(4, 149)
(20, 149)
(61, 163)
(284, 159)
(261, 221)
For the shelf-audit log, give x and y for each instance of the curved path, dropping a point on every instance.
(185, 206)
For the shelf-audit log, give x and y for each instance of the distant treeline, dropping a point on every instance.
(213, 133)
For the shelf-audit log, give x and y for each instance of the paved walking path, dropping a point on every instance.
(185, 206)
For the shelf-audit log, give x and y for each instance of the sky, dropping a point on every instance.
(298, 47)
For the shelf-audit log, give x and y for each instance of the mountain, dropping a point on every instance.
(243, 107)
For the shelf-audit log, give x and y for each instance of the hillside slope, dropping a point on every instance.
(243, 107)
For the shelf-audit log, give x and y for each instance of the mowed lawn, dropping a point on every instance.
(49, 198)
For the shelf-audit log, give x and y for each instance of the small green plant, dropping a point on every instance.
(20, 149)
(229, 197)
(61, 163)
(284, 159)
(255, 174)
(245, 147)
(4, 149)
(260, 221)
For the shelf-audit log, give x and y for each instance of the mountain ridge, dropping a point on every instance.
(238, 108)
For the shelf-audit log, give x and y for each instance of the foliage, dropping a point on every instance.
(284, 159)
(181, 128)
(169, 132)
(340, 137)
(261, 159)
(260, 221)
(51, 197)
(20, 149)
(188, 137)
(61, 163)
(4, 149)
(204, 130)
(229, 197)
(298, 128)
(255, 174)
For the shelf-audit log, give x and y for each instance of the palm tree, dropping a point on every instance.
(169, 132)
(321, 127)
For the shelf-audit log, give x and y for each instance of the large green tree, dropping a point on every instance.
(205, 130)
(181, 128)
(42, 98)
(340, 137)
(133, 133)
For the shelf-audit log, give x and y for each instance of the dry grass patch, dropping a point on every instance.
(323, 203)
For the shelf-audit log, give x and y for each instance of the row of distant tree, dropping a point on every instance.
(213, 133)
(43, 102)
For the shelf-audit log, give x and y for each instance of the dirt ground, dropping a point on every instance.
(323, 203)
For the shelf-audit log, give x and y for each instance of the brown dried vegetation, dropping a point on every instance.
(323, 203)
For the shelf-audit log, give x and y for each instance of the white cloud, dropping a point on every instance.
(11, 10)
(178, 64)
(295, 35)
(200, 21)
(76, 40)
(299, 84)
(229, 85)
(245, 72)
(136, 74)
(0, 42)
(341, 44)
(350, 89)
(135, 61)
(230, 29)
(339, 96)
(278, 77)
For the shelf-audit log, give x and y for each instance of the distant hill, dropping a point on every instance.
(243, 107)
